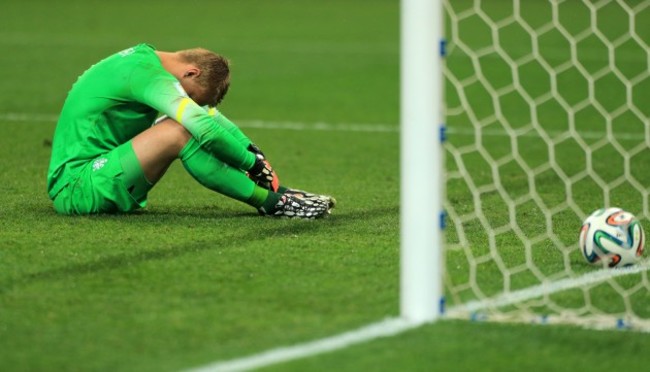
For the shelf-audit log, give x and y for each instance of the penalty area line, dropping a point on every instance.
(386, 328)
(15, 117)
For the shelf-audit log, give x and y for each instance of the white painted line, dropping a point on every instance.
(256, 124)
(343, 127)
(388, 327)
(394, 326)
(20, 117)
(548, 288)
(350, 127)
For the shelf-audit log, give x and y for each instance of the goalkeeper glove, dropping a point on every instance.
(255, 150)
(262, 173)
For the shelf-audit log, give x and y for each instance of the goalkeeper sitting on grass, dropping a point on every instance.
(107, 155)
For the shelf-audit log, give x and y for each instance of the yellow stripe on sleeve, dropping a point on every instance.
(212, 111)
(181, 108)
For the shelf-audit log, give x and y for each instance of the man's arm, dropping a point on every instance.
(231, 127)
(268, 180)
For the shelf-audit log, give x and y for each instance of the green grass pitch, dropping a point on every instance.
(196, 278)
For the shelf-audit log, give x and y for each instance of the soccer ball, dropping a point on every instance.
(612, 237)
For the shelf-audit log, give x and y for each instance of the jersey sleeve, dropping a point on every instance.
(158, 89)
(231, 127)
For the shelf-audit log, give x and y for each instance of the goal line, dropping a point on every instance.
(474, 310)
(394, 326)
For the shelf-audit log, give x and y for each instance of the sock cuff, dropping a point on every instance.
(190, 148)
(258, 198)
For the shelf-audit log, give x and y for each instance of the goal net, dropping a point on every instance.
(546, 106)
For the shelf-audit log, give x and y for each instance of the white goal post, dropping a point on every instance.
(421, 160)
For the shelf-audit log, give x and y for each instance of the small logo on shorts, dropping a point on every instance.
(99, 163)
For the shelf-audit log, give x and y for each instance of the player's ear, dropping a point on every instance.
(192, 72)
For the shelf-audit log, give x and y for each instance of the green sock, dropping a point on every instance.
(224, 179)
(261, 197)
(272, 198)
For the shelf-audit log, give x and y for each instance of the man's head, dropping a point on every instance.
(208, 82)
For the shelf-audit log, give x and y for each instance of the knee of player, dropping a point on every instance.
(174, 131)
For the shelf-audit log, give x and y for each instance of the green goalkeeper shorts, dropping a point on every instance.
(111, 183)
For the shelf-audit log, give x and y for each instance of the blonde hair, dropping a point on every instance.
(215, 72)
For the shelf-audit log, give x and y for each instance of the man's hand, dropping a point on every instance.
(262, 173)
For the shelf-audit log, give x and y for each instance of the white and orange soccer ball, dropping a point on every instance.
(612, 237)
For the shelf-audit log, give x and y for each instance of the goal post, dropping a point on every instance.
(421, 163)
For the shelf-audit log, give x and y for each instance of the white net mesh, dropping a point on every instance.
(547, 112)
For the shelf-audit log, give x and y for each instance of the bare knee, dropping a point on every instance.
(157, 147)
(172, 135)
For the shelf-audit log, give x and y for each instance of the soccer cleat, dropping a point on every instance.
(331, 202)
(293, 206)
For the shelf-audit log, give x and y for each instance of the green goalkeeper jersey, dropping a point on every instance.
(118, 98)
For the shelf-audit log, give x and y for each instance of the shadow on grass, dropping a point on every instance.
(269, 227)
